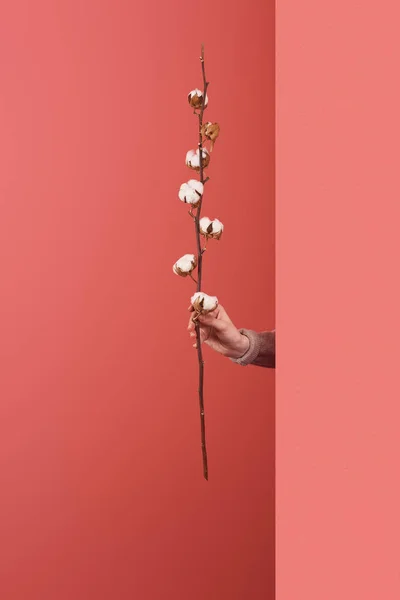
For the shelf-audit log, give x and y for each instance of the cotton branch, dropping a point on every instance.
(199, 275)
(192, 193)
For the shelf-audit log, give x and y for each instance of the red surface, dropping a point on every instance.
(338, 298)
(102, 494)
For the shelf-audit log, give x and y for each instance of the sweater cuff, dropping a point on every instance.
(253, 350)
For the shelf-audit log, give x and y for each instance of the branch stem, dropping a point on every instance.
(199, 275)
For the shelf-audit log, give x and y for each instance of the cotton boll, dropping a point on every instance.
(193, 159)
(194, 162)
(205, 157)
(211, 132)
(191, 197)
(185, 265)
(186, 194)
(190, 156)
(205, 226)
(212, 229)
(191, 192)
(202, 303)
(218, 228)
(183, 191)
(196, 185)
(195, 99)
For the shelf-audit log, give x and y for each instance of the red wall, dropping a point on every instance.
(102, 494)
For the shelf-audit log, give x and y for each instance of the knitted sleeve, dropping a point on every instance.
(261, 350)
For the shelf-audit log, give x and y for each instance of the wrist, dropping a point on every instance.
(253, 350)
(241, 347)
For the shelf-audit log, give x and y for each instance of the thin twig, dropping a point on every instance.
(199, 275)
(204, 248)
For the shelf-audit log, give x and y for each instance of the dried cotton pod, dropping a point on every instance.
(185, 265)
(195, 99)
(193, 159)
(211, 132)
(191, 192)
(211, 229)
(203, 304)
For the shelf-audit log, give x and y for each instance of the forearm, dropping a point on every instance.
(261, 351)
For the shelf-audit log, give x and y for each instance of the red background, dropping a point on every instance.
(102, 494)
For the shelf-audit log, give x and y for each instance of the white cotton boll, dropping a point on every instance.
(196, 92)
(188, 195)
(202, 303)
(192, 197)
(217, 226)
(183, 191)
(191, 192)
(205, 223)
(193, 159)
(190, 155)
(212, 229)
(186, 262)
(196, 185)
(185, 265)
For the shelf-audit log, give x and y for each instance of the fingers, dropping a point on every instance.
(211, 321)
(191, 323)
(221, 314)
(218, 312)
(193, 317)
(217, 319)
(203, 335)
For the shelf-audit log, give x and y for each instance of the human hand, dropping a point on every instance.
(218, 331)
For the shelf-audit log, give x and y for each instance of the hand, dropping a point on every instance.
(218, 331)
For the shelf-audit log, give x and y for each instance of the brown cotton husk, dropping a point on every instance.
(211, 132)
(198, 306)
(196, 101)
(178, 271)
(206, 161)
(213, 236)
